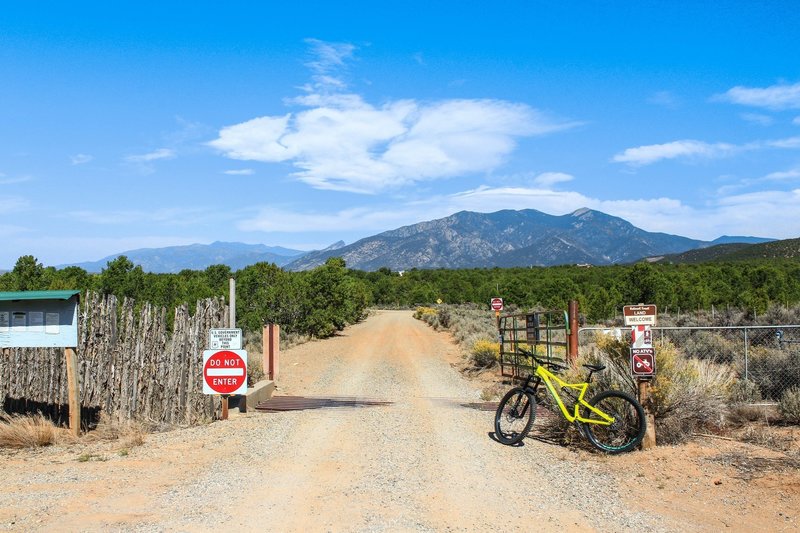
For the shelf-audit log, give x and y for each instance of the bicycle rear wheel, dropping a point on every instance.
(514, 416)
(627, 429)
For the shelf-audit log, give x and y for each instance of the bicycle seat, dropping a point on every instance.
(595, 368)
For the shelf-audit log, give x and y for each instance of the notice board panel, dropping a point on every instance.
(39, 323)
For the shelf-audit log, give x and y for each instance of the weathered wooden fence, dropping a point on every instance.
(130, 366)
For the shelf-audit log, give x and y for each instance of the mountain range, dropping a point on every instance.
(173, 259)
(510, 238)
(463, 240)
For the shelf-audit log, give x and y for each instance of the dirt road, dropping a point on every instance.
(421, 458)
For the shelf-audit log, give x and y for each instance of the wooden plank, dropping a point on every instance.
(74, 391)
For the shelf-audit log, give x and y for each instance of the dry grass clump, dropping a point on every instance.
(127, 434)
(30, 431)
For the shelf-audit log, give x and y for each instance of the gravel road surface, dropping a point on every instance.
(423, 460)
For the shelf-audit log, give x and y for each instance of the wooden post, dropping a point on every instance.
(572, 351)
(271, 350)
(649, 440)
(232, 301)
(225, 406)
(74, 391)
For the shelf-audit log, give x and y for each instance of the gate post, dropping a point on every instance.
(572, 350)
(271, 344)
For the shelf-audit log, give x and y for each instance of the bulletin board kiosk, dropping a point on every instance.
(44, 319)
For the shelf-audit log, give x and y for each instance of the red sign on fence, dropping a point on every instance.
(497, 304)
(224, 372)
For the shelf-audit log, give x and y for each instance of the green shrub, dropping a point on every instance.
(687, 394)
(745, 391)
(789, 406)
(484, 353)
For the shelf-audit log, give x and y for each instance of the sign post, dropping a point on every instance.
(643, 360)
(497, 306)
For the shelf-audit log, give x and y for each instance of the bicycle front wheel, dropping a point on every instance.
(627, 429)
(514, 416)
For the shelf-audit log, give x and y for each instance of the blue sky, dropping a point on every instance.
(131, 125)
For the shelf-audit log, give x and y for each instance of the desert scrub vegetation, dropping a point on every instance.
(484, 353)
(18, 431)
(473, 328)
(34, 431)
(789, 406)
(687, 394)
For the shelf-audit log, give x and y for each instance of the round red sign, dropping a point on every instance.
(497, 304)
(225, 372)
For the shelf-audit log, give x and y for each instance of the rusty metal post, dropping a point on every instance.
(572, 352)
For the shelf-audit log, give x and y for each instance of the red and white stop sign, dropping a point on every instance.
(497, 304)
(224, 372)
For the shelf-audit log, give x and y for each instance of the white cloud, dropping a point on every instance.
(783, 176)
(11, 204)
(240, 172)
(344, 143)
(10, 181)
(80, 159)
(363, 218)
(548, 179)
(341, 142)
(758, 118)
(791, 142)
(648, 154)
(776, 97)
(161, 153)
(328, 59)
(690, 149)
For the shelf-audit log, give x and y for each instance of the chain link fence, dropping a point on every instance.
(766, 358)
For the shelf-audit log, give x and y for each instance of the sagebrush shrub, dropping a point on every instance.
(686, 395)
(484, 353)
(789, 406)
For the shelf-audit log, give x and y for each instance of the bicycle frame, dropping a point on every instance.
(548, 378)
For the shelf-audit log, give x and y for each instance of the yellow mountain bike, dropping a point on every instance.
(612, 421)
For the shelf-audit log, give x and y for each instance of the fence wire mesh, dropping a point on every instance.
(767, 358)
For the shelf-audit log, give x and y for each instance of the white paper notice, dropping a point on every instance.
(51, 323)
(18, 321)
(36, 321)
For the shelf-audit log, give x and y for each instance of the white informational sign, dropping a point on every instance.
(225, 339)
(36, 321)
(639, 315)
(51, 323)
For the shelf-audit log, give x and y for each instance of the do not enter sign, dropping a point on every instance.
(224, 372)
(497, 304)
